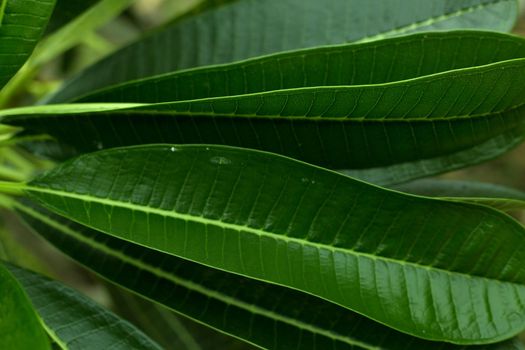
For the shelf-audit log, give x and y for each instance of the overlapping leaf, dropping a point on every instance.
(425, 103)
(374, 63)
(23, 22)
(75, 322)
(252, 28)
(435, 269)
(269, 316)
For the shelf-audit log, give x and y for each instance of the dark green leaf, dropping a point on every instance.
(74, 321)
(357, 66)
(424, 112)
(20, 327)
(252, 28)
(23, 23)
(399, 259)
(267, 315)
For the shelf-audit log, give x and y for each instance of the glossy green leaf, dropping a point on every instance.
(20, 327)
(500, 197)
(358, 65)
(266, 315)
(75, 322)
(23, 23)
(399, 259)
(252, 28)
(398, 104)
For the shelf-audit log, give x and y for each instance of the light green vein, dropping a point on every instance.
(241, 228)
(188, 284)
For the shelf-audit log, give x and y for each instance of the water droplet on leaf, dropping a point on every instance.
(220, 160)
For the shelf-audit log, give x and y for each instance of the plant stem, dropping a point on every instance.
(12, 188)
(11, 174)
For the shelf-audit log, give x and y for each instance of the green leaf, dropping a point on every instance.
(286, 222)
(23, 23)
(398, 103)
(500, 197)
(75, 322)
(360, 65)
(269, 316)
(20, 327)
(252, 28)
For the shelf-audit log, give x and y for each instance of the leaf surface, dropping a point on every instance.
(266, 315)
(19, 325)
(75, 322)
(397, 104)
(252, 28)
(23, 22)
(360, 65)
(498, 196)
(401, 260)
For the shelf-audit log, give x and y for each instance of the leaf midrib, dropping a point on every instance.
(433, 77)
(241, 228)
(11, 118)
(295, 53)
(186, 283)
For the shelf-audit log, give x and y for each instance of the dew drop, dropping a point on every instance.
(220, 160)
(306, 180)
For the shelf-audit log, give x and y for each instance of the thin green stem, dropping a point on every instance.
(11, 174)
(17, 160)
(12, 188)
